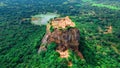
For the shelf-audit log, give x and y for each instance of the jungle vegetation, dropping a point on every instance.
(20, 40)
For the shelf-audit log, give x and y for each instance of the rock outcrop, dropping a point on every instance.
(65, 38)
(108, 30)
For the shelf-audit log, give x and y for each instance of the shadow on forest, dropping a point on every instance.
(88, 53)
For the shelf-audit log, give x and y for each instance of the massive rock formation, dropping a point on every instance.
(65, 38)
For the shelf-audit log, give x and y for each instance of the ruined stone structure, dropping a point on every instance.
(62, 22)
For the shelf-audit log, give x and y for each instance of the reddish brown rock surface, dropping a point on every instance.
(65, 38)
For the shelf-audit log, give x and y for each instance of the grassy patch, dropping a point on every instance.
(86, 0)
(106, 6)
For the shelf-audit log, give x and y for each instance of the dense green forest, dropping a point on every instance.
(20, 40)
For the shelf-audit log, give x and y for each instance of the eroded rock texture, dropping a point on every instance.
(65, 38)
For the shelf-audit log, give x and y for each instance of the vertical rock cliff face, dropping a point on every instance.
(66, 38)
